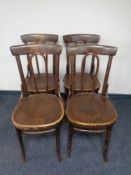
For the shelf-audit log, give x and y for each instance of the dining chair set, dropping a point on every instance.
(41, 108)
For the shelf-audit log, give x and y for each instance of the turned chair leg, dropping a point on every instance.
(57, 134)
(69, 145)
(20, 140)
(106, 145)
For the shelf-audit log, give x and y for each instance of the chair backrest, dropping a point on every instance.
(39, 38)
(30, 51)
(96, 51)
(80, 39)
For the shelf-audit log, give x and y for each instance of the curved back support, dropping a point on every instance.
(83, 70)
(39, 38)
(80, 39)
(96, 51)
(32, 50)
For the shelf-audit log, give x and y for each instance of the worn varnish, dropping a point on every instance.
(95, 111)
(38, 112)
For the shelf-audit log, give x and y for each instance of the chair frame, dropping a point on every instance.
(95, 50)
(30, 51)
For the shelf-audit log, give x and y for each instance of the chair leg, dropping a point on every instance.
(106, 145)
(60, 97)
(70, 134)
(57, 134)
(20, 140)
(66, 91)
(97, 90)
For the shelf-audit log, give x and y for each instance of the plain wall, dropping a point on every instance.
(108, 18)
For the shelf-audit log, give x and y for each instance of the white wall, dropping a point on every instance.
(109, 18)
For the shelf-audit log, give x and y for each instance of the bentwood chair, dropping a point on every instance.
(40, 76)
(38, 113)
(75, 40)
(91, 112)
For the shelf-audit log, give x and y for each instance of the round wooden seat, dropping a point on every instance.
(88, 82)
(38, 112)
(41, 83)
(90, 111)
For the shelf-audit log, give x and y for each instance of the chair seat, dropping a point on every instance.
(41, 83)
(88, 82)
(38, 112)
(90, 111)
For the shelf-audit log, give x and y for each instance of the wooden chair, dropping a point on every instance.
(75, 40)
(90, 112)
(40, 112)
(40, 76)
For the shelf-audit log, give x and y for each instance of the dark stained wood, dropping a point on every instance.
(36, 83)
(107, 140)
(41, 81)
(95, 49)
(76, 40)
(93, 76)
(81, 38)
(91, 112)
(20, 140)
(40, 38)
(35, 49)
(88, 82)
(70, 135)
(38, 113)
(57, 132)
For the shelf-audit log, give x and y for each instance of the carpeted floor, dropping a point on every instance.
(87, 149)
